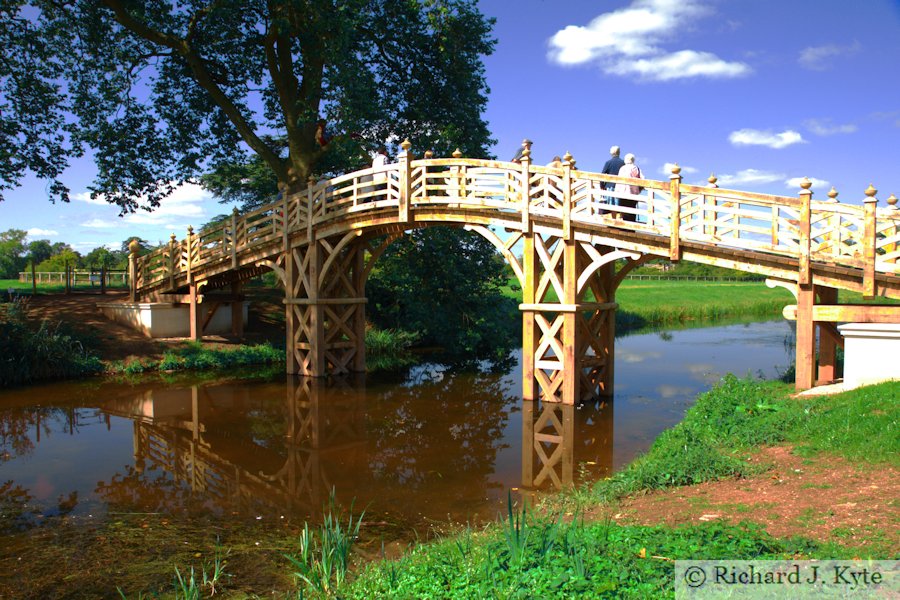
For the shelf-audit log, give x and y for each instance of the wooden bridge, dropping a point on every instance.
(568, 243)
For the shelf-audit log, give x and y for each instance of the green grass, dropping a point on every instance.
(567, 560)
(25, 289)
(643, 303)
(195, 357)
(738, 415)
(388, 349)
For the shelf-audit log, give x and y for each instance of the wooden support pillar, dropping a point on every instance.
(194, 313)
(237, 311)
(316, 317)
(805, 361)
(571, 371)
(325, 307)
(292, 320)
(529, 338)
(359, 315)
(827, 344)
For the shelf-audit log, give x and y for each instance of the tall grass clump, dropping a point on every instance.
(389, 349)
(324, 557)
(33, 352)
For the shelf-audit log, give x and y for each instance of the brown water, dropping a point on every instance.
(438, 445)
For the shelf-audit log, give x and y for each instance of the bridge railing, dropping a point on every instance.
(859, 237)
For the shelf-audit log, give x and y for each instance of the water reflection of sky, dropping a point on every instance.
(441, 444)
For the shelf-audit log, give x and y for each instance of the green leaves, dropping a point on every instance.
(165, 92)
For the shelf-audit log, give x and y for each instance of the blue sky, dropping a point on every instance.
(759, 92)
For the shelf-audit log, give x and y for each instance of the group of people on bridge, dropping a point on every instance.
(614, 166)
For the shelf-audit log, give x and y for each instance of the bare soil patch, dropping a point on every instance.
(824, 498)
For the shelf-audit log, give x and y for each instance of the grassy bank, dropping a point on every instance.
(740, 415)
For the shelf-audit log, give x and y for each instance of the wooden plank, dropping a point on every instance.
(848, 313)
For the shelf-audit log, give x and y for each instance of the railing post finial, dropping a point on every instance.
(870, 192)
(676, 171)
(712, 180)
(429, 154)
(406, 145)
(457, 153)
(568, 158)
(892, 202)
(805, 183)
(833, 194)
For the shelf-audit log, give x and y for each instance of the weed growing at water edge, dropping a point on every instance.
(324, 557)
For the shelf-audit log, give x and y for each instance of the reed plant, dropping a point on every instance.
(323, 560)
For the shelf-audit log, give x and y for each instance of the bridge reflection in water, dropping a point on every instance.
(232, 448)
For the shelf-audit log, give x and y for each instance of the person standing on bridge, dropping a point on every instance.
(631, 170)
(611, 167)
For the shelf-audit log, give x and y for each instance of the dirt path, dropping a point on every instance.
(824, 498)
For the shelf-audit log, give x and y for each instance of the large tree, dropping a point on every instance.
(161, 92)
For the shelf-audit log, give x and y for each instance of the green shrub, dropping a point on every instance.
(33, 353)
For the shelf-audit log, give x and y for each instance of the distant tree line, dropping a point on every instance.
(17, 254)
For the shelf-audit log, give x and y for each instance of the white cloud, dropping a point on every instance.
(820, 58)
(86, 197)
(794, 183)
(184, 204)
(38, 232)
(667, 169)
(825, 127)
(679, 65)
(749, 177)
(627, 42)
(99, 224)
(754, 137)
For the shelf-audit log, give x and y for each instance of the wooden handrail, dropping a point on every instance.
(794, 227)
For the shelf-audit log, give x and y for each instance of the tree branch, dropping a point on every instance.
(205, 79)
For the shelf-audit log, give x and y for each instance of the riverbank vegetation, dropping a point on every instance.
(37, 351)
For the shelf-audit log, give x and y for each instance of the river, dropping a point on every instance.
(433, 446)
